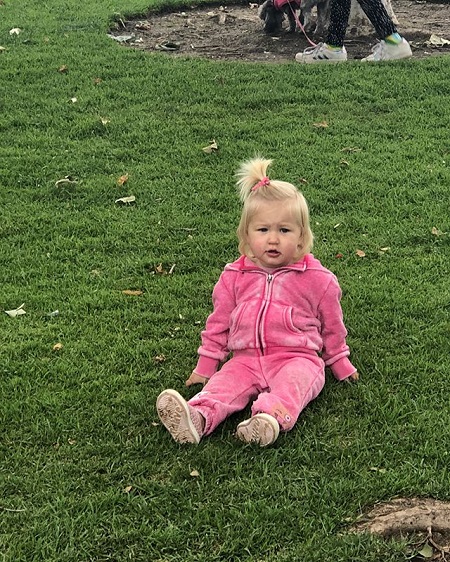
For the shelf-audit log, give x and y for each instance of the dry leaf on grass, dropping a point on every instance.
(126, 200)
(67, 180)
(123, 179)
(161, 271)
(436, 232)
(128, 489)
(132, 292)
(57, 346)
(63, 68)
(351, 149)
(321, 125)
(211, 147)
(19, 311)
(361, 253)
(195, 473)
(15, 31)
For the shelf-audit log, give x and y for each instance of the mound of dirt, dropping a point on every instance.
(425, 520)
(234, 32)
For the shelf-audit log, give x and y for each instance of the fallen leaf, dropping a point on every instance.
(360, 253)
(53, 314)
(123, 179)
(339, 256)
(344, 163)
(63, 69)
(71, 441)
(321, 125)
(436, 232)
(73, 100)
(97, 81)
(126, 200)
(376, 469)
(351, 149)
(211, 147)
(337, 225)
(426, 551)
(435, 41)
(57, 346)
(303, 180)
(2, 49)
(15, 31)
(67, 180)
(104, 120)
(122, 38)
(132, 292)
(161, 271)
(19, 311)
(160, 358)
(385, 249)
(128, 489)
(195, 473)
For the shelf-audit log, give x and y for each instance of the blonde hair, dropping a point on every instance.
(254, 187)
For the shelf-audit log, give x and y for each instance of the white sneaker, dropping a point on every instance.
(260, 428)
(390, 51)
(183, 422)
(321, 53)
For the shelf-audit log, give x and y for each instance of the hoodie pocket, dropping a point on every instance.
(279, 328)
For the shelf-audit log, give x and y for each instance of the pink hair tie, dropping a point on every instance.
(265, 181)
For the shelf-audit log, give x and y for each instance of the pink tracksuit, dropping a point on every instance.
(282, 327)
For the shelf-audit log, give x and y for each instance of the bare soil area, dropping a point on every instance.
(425, 522)
(234, 32)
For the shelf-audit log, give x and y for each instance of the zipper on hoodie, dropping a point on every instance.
(263, 311)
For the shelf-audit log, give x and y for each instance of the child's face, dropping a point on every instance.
(273, 235)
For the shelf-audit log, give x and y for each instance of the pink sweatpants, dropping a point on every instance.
(281, 383)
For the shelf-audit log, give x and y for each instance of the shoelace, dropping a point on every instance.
(313, 50)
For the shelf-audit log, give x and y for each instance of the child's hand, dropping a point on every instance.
(353, 378)
(196, 379)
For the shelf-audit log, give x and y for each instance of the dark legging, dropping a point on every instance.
(340, 13)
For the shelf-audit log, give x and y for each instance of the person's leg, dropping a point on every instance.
(333, 49)
(292, 386)
(290, 389)
(339, 14)
(228, 391)
(392, 45)
(378, 17)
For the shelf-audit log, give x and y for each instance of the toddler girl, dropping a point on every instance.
(277, 310)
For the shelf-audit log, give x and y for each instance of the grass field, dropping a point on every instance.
(86, 473)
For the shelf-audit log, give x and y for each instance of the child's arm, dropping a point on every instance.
(335, 351)
(213, 349)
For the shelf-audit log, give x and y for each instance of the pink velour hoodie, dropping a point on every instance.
(296, 307)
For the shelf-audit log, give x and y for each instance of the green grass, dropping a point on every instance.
(78, 426)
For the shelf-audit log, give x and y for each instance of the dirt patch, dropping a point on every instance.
(235, 33)
(423, 520)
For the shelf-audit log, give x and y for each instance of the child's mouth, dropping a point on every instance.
(273, 253)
